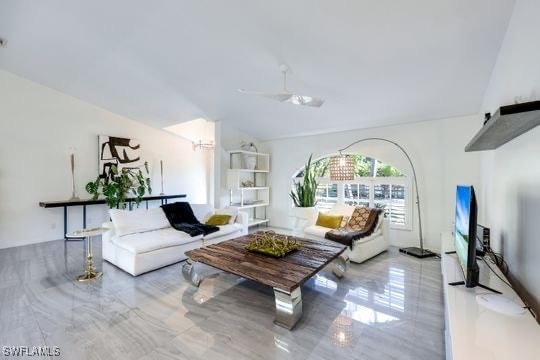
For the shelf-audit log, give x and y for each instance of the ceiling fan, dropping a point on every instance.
(286, 95)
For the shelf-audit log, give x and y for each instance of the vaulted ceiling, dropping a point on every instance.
(376, 62)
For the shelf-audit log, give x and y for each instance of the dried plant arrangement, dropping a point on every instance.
(272, 244)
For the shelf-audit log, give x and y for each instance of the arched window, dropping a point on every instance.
(376, 184)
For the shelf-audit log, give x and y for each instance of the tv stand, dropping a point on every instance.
(473, 330)
(457, 283)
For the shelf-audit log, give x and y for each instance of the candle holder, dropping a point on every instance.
(74, 196)
(161, 166)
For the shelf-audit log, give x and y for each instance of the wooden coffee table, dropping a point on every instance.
(285, 275)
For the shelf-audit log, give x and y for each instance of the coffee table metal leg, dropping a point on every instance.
(342, 265)
(288, 307)
(188, 270)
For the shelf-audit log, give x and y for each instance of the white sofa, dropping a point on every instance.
(142, 240)
(364, 248)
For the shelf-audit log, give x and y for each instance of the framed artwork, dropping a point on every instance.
(122, 152)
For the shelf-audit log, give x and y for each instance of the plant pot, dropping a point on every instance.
(305, 213)
(303, 216)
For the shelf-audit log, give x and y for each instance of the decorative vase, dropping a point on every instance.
(250, 160)
(161, 167)
(74, 196)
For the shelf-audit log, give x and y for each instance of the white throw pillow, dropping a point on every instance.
(345, 210)
(130, 222)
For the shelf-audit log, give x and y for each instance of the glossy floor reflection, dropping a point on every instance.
(390, 307)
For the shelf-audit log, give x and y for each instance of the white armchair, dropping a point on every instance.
(364, 248)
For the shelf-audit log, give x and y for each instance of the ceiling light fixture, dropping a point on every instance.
(341, 167)
(203, 146)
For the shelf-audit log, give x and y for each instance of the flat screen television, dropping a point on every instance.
(465, 233)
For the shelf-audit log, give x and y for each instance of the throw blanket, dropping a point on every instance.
(181, 217)
(361, 224)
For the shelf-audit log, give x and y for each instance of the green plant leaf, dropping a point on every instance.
(304, 193)
(116, 187)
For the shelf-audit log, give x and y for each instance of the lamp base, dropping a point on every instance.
(417, 252)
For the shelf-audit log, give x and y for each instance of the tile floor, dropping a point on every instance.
(390, 307)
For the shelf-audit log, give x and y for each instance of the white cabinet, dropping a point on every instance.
(476, 332)
(247, 181)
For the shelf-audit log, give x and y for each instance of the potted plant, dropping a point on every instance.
(117, 185)
(304, 194)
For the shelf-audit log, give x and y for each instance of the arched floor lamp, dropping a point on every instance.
(342, 168)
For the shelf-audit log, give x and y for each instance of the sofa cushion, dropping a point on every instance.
(202, 211)
(218, 220)
(329, 221)
(130, 222)
(316, 230)
(228, 211)
(359, 218)
(232, 212)
(153, 240)
(224, 230)
(339, 209)
(344, 221)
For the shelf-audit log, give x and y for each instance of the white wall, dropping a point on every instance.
(200, 131)
(511, 174)
(436, 149)
(38, 125)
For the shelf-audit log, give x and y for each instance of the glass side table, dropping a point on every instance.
(90, 271)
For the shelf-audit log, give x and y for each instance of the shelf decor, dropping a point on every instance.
(248, 188)
(272, 244)
(74, 196)
(250, 160)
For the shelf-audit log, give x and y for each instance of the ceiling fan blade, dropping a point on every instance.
(274, 96)
(285, 95)
(306, 100)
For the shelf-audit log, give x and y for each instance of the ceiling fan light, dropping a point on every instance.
(300, 100)
(285, 95)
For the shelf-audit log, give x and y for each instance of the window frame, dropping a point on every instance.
(371, 182)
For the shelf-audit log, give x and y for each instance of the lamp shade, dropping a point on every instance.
(341, 168)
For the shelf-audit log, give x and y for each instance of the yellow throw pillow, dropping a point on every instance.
(329, 221)
(218, 220)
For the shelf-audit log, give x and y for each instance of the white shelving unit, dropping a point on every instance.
(248, 188)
